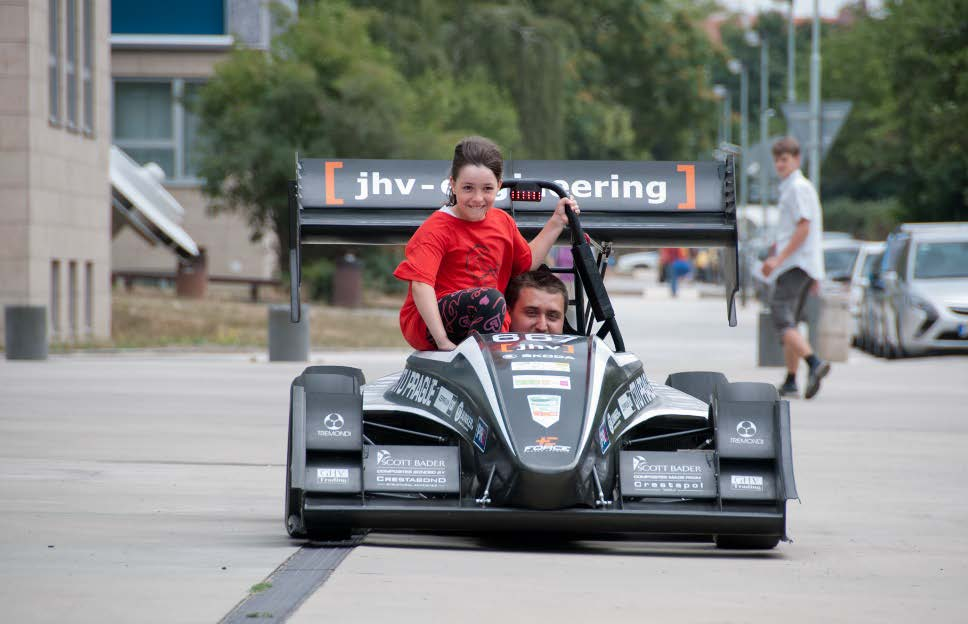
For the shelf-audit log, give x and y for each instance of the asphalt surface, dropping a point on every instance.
(148, 488)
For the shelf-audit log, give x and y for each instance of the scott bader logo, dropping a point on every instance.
(383, 457)
(746, 429)
(333, 422)
(638, 462)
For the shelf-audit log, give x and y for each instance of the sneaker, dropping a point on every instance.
(817, 373)
(788, 388)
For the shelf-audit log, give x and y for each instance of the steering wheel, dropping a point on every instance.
(591, 278)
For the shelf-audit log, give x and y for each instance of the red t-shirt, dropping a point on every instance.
(451, 254)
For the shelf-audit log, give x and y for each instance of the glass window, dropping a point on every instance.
(70, 64)
(88, 297)
(190, 129)
(839, 261)
(72, 298)
(55, 299)
(941, 260)
(53, 62)
(152, 124)
(87, 71)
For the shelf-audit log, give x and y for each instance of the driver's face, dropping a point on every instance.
(538, 312)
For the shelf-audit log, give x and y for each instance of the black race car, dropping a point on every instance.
(536, 432)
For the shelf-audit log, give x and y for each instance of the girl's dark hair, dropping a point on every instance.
(475, 150)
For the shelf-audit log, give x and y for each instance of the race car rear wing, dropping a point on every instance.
(625, 203)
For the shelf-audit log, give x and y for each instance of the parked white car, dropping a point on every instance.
(640, 260)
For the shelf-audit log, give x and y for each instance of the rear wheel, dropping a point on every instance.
(746, 542)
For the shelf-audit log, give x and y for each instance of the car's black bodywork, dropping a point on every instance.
(547, 433)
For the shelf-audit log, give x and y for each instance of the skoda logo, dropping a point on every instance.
(333, 422)
(746, 429)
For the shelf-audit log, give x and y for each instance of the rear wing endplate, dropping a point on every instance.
(626, 203)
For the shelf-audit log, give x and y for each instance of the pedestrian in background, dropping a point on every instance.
(676, 264)
(798, 263)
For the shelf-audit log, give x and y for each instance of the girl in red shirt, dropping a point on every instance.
(462, 257)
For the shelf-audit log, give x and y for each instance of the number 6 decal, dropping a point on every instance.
(690, 171)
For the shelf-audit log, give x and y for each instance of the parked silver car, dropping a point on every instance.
(920, 292)
(869, 254)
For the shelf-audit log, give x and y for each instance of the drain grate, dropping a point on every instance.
(291, 583)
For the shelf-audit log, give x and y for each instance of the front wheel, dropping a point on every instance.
(747, 542)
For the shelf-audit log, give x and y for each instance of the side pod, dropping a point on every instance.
(325, 438)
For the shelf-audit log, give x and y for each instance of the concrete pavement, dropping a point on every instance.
(149, 488)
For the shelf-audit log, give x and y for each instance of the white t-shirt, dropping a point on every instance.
(798, 200)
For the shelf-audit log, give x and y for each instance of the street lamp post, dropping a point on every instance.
(738, 67)
(722, 94)
(764, 118)
(815, 100)
(791, 82)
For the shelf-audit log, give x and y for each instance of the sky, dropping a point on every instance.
(801, 8)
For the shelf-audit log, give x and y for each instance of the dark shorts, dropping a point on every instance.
(789, 295)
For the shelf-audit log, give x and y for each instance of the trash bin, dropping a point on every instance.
(769, 348)
(833, 335)
(348, 282)
(191, 276)
(25, 332)
(288, 341)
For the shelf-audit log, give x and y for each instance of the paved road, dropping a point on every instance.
(148, 488)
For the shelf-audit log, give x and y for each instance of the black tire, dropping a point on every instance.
(747, 542)
(700, 384)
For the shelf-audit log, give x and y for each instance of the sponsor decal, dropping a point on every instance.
(334, 427)
(333, 475)
(463, 418)
(545, 408)
(614, 418)
(625, 404)
(445, 401)
(603, 437)
(665, 477)
(480, 435)
(747, 432)
(546, 338)
(536, 346)
(542, 381)
(746, 482)
(403, 468)
(555, 367)
(641, 392)
(385, 458)
(547, 444)
(416, 387)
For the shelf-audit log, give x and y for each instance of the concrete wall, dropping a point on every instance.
(54, 186)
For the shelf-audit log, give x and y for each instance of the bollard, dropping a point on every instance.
(769, 349)
(288, 341)
(25, 332)
(833, 333)
(811, 316)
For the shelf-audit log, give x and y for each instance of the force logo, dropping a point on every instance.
(333, 422)
(547, 444)
(746, 429)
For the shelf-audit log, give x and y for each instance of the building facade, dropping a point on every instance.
(55, 133)
(159, 60)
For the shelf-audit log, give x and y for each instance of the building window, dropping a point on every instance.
(53, 61)
(89, 298)
(72, 299)
(179, 17)
(87, 70)
(70, 64)
(152, 124)
(55, 298)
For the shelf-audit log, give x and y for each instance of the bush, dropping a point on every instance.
(317, 278)
(864, 219)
